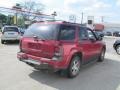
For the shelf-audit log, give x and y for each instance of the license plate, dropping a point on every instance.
(32, 61)
(34, 46)
(10, 33)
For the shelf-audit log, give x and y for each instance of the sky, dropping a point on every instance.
(108, 9)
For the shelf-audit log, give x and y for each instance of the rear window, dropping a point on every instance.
(12, 29)
(42, 31)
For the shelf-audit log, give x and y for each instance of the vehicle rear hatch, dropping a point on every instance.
(10, 32)
(40, 40)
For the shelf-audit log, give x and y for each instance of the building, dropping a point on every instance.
(112, 27)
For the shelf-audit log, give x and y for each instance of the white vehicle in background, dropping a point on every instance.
(10, 33)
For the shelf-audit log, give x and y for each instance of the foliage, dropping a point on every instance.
(3, 18)
(31, 6)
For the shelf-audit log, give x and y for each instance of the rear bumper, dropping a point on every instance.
(40, 63)
(10, 38)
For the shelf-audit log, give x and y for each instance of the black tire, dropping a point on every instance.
(2, 41)
(118, 49)
(102, 55)
(74, 67)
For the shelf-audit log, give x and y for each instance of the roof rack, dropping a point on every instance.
(54, 21)
(62, 21)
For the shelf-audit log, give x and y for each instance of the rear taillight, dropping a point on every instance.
(58, 53)
(20, 45)
(18, 32)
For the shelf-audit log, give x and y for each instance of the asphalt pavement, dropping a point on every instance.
(16, 75)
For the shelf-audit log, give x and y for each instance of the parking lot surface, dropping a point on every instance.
(15, 75)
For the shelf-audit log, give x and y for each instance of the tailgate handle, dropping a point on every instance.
(35, 38)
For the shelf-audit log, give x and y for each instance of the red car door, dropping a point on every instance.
(95, 44)
(85, 45)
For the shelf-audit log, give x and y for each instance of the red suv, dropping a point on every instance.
(60, 46)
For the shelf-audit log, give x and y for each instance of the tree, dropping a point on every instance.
(3, 18)
(10, 20)
(20, 22)
(31, 6)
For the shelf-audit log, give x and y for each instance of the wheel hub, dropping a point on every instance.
(75, 67)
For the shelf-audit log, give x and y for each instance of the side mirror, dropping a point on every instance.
(100, 38)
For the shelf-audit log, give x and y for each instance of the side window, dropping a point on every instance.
(90, 34)
(67, 32)
(83, 35)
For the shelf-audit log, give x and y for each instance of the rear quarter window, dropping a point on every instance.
(67, 32)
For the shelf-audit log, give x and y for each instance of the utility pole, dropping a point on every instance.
(102, 19)
(82, 17)
(17, 7)
(16, 17)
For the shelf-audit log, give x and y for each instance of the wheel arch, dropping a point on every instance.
(74, 54)
(117, 45)
(77, 54)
